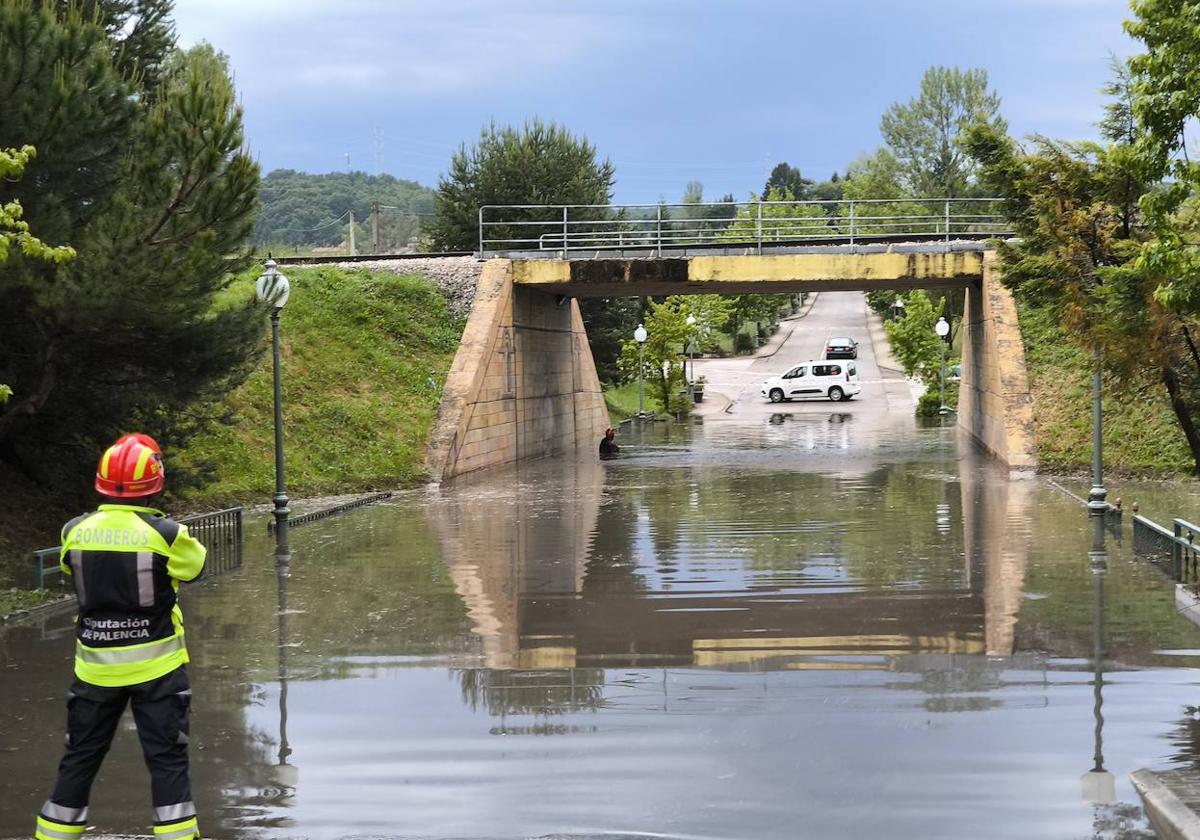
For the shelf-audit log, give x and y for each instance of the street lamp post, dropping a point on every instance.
(691, 322)
(640, 335)
(1097, 496)
(273, 288)
(942, 328)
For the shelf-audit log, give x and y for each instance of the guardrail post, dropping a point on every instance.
(480, 233)
(947, 208)
(564, 232)
(851, 222)
(1177, 551)
(658, 230)
(758, 227)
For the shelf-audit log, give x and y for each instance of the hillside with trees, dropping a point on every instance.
(302, 211)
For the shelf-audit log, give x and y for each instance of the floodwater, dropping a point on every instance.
(775, 628)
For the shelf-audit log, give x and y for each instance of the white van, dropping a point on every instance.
(824, 378)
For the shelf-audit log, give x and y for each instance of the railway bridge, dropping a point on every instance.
(523, 384)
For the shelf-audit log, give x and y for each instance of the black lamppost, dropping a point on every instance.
(691, 322)
(640, 335)
(273, 288)
(942, 328)
(1098, 495)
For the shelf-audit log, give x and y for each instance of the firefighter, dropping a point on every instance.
(126, 561)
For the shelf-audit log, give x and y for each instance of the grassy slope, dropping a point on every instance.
(358, 352)
(622, 400)
(358, 349)
(1141, 436)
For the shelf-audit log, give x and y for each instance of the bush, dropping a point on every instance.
(743, 343)
(930, 401)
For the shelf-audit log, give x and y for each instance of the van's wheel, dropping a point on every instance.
(776, 395)
(836, 394)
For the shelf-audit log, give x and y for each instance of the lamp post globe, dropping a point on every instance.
(898, 308)
(640, 335)
(273, 288)
(942, 328)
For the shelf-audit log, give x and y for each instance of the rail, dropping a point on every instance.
(219, 531)
(565, 229)
(1178, 544)
(331, 511)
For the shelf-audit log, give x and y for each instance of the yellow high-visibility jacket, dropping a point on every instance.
(126, 563)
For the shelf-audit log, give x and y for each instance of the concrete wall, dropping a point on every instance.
(995, 406)
(774, 274)
(523, 384)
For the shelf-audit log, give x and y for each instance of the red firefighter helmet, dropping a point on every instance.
(131, 468)
(141, 438)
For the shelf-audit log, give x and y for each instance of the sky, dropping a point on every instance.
(671, 91)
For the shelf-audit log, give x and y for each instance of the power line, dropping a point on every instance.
(309, 230)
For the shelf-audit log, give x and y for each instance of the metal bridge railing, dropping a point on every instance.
(219, 531)
(1179, 544)
(561, 230)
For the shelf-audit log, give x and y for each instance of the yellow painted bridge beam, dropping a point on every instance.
(770, 274)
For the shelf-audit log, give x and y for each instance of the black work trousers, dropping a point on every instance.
(160, 710)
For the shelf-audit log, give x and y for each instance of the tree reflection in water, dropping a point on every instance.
(541, 692)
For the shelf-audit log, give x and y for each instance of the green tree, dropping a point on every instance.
(154, 190)
(1082, 254)
(878, 178)
(914, 340)
(540, 163)
(830, 190)
(786, 179)
(14, 230)
(668, 334)
(704, 222)
(924, 133)
(1165, 100)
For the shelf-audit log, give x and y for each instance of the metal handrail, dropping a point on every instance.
(1180, 542)
(220, 531)
(597, 227)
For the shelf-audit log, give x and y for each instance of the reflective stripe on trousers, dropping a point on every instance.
(174, 813)
(51, 830)
(176, 830)
(62, 814)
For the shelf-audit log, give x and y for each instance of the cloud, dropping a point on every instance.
(418, 50)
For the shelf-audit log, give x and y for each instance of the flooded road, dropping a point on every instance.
(742, 628)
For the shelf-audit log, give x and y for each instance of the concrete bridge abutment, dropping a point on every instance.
(995, 404)
(522, 385)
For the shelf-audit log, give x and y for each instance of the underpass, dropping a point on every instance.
(733, 384)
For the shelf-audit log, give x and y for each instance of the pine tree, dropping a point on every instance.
(152, 187)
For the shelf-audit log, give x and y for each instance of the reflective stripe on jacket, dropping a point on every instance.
(126, 563)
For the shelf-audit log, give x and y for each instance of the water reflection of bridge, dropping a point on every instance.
(552, 580)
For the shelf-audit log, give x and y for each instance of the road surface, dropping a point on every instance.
(887, 399)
